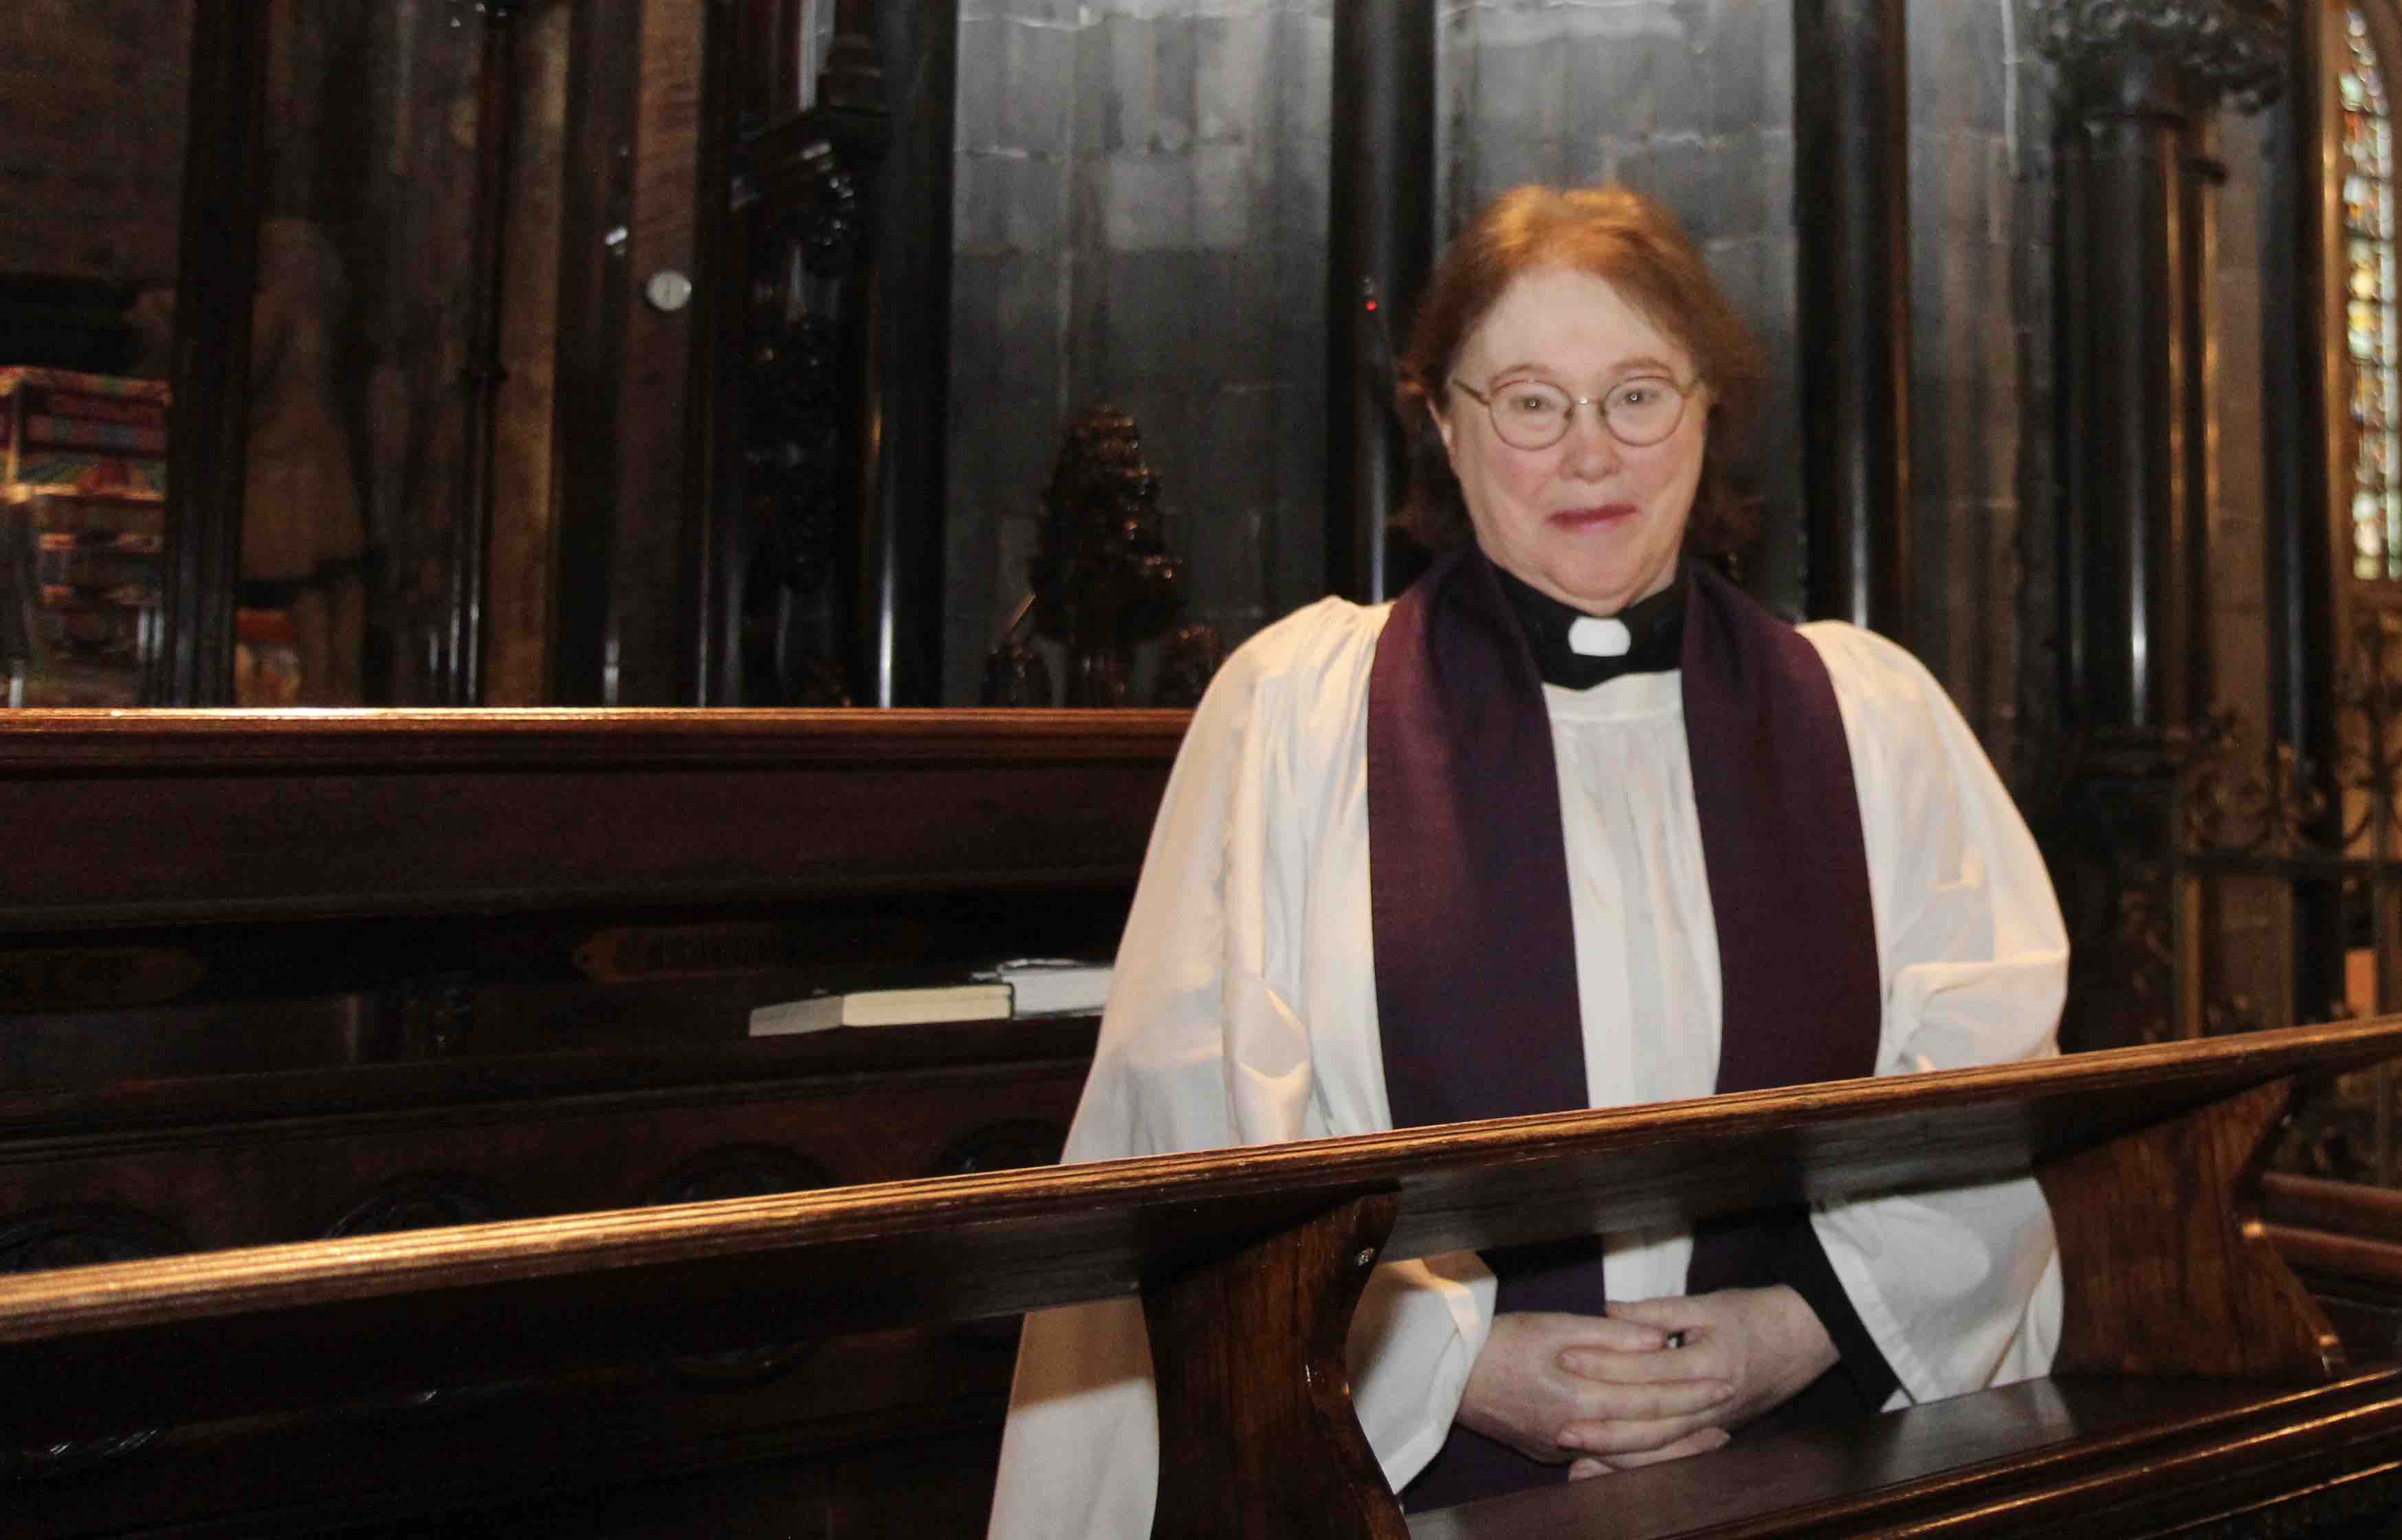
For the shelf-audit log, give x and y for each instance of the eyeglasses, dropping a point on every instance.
(1530, 414)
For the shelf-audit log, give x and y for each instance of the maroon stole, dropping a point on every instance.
(1476, 988)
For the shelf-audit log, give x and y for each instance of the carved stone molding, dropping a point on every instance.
(2215, 50)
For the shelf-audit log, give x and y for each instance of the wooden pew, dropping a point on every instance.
(2195, 1379)
(274, 977)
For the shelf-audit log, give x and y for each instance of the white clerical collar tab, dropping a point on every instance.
(1591, 636)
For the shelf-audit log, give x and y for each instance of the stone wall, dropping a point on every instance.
(1141, 206)
(1689, 101)
(1982, 387)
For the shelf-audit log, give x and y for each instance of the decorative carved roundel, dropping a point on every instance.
(429, 1200)
(742, 1170)
(85, 1235)
(1004, 1147)
(421, 1202)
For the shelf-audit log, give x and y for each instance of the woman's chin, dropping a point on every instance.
(1605, 590)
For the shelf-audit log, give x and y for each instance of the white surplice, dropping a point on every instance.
(1244, 1011)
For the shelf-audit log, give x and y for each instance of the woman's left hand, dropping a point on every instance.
(1767, 1343)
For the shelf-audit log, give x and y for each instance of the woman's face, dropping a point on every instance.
(1588, 520)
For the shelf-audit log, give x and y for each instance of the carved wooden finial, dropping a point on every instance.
(1102, 577)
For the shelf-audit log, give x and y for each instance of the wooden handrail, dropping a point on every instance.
(2344, 1208)
(287, 742)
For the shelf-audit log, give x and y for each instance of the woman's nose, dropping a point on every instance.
(1589, 452)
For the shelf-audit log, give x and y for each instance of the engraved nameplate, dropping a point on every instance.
(83, 978)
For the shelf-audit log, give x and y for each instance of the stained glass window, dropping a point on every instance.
(2370, 311)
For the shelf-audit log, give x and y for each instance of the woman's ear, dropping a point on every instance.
(1442, 425)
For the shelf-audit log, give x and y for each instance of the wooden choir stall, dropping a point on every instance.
(419, 1277)
(267, 979)
(384, 1149)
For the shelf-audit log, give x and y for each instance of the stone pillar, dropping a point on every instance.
(2137, 84)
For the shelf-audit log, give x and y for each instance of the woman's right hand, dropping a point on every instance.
(1520, 1395)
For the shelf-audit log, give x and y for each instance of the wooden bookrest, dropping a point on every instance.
(1249, 1261)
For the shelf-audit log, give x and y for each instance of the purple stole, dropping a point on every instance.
(1476, 987)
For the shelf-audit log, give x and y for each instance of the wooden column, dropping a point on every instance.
(2127, 328)
(1851, 112)
(1381, 245)
(480, 382)
(2136, 92)
(595, 290)
(216, 285)
(2301, 389)
(909, 326)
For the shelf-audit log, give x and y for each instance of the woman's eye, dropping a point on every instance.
(1533, 404)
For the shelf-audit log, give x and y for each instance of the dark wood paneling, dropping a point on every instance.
(2301, 392)
(288, 1174)
(180, 817)
(734, 83)
(468, 643)
(596, 289)
(2111, 1458)
(1851, 120)
(656, 519)
(1292, 1336)
(225, 197)
(383, 997)
(2122, 1263)
(382, 1314)
(898, 1430)
(517, 590)
(908, 372)
(1381, 247)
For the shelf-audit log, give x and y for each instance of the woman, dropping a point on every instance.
(1573, 823)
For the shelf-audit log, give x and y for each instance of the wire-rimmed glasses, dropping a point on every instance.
(1533, 414)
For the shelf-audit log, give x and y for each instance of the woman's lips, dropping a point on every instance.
(1592, 517)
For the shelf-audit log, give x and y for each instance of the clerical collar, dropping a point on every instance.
(1578, 651)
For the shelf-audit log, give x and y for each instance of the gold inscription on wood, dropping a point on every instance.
(84, 977)
(630, 952)
(864, 945)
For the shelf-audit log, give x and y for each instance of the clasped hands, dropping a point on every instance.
(1652, 1380)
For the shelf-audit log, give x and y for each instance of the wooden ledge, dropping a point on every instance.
(2093, 1456)
(288, 742)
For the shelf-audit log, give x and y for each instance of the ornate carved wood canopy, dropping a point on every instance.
(2215, 52)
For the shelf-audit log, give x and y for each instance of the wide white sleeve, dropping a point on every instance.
(1202, 1046)
(1960, 1288)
